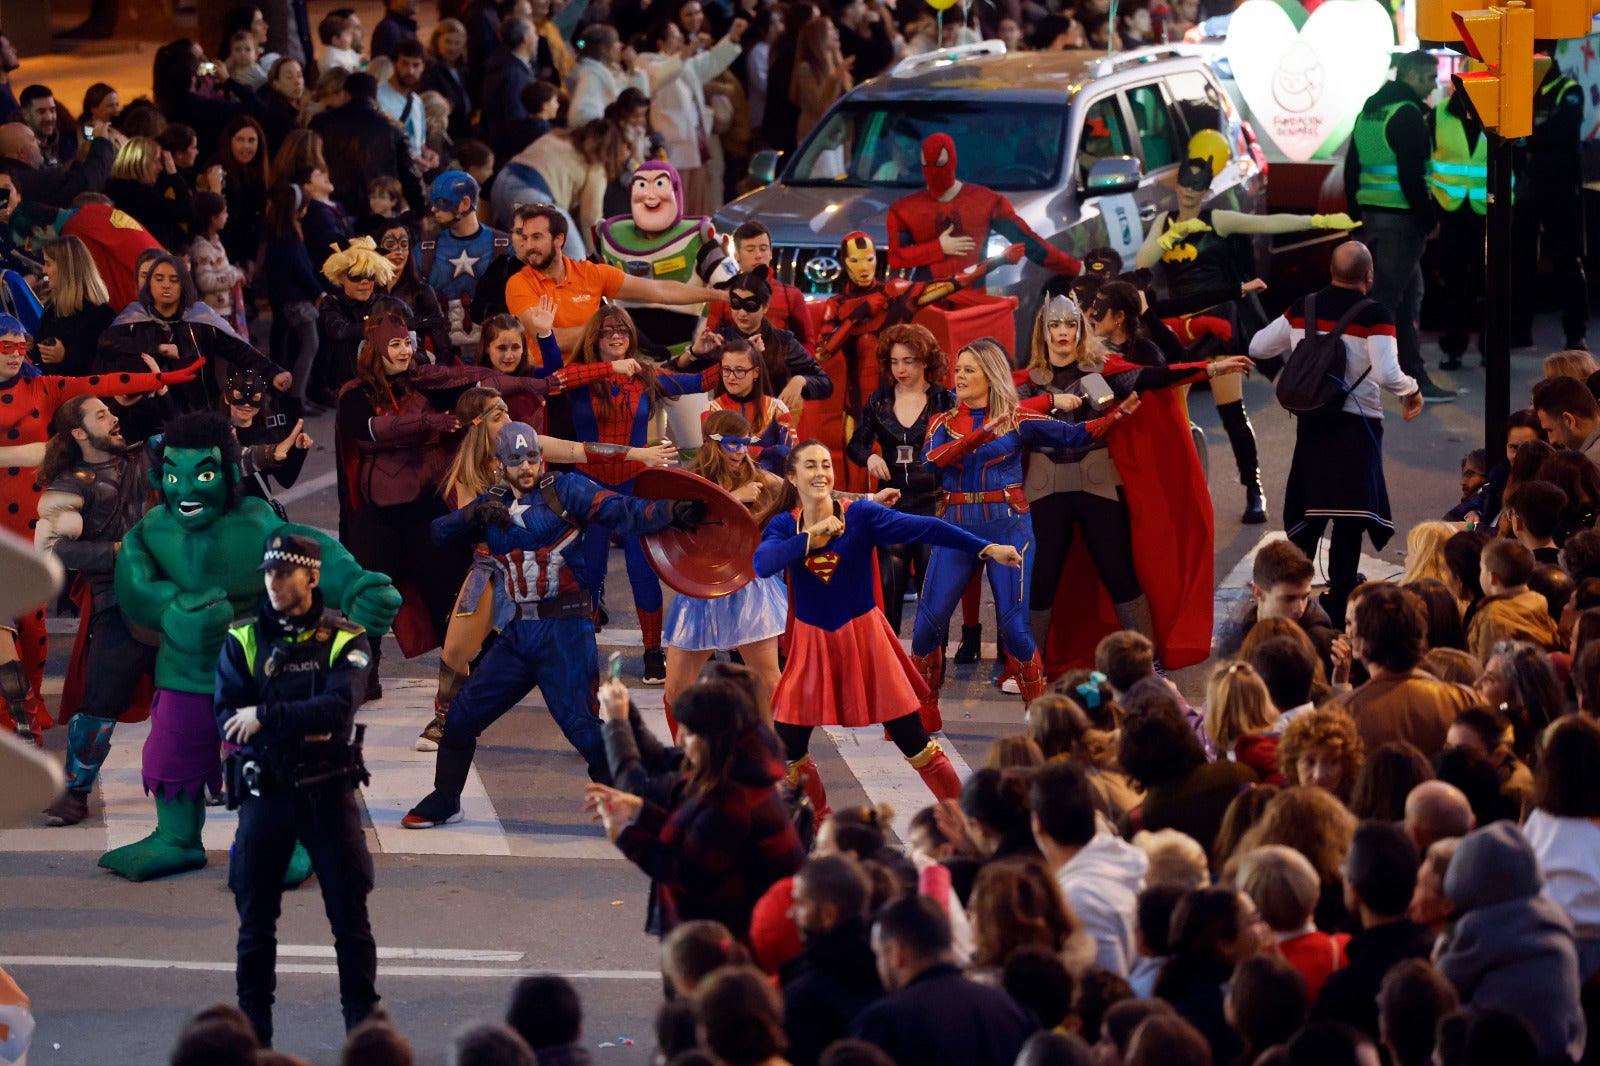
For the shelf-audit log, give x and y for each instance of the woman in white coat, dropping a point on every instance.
(679, 112)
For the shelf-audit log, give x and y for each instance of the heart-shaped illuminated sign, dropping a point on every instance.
(1304, 87)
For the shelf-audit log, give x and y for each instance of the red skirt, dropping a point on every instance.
(855, 675)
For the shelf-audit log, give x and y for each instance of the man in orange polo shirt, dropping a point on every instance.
(578, 286)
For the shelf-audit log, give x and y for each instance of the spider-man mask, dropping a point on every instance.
(939, 163)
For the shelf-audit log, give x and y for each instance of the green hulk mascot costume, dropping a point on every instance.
(186, 571)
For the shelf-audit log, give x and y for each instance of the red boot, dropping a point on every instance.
(930, 668)
(937, 773)
(803, 772)
(672, 723)
(1030, 678)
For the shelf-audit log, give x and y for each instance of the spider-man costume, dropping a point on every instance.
(27, 406)
(981, 474)
(967, 210)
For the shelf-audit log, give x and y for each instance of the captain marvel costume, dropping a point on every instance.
(845, 665)
(981, 474)
(917, 221)
(28, 403)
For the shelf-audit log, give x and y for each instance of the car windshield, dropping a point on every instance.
(878, 144)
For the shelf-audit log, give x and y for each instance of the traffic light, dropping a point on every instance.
(1501, 38)
(1553, 20)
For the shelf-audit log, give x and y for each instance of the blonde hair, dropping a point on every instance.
(995, 362)
(1282, 883)
(1088, 354)
(1570, 363)
(76, 283)
(1425, 552)
(360, 256)
(134, 158)
(1236, 703)
(1176, 858)
(475, 468)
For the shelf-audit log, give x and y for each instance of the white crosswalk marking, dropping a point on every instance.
(402, 775)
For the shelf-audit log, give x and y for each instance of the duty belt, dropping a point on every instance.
(567, 605)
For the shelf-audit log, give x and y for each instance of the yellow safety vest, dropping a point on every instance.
(1458, 173)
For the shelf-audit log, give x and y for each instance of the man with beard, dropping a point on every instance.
(835, 976)
(534, 532)
(398, 97)
(58, 143)
(96, 490)
(578, 287)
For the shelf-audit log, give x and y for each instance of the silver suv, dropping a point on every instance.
(1086, 147)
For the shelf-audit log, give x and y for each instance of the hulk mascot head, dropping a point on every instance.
(197, 469)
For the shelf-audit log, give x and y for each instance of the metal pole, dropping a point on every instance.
(1497, 297)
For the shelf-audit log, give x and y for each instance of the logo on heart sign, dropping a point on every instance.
(1304, 86)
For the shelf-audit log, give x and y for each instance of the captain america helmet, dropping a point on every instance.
(449, 188)
(517, 443)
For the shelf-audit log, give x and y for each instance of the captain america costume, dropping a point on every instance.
(545, 576)
(453, 267)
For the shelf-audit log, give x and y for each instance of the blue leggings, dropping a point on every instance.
(596, 549)
(949, 572)
(559, 656)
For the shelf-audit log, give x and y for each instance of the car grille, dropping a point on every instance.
(816, 271)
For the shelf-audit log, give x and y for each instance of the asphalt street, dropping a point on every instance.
(526, 885)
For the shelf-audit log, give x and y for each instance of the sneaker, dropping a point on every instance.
(1011, 686)
(655, 667)
(429, 740)
(422, 821)
(1435, 393)
(214, 798)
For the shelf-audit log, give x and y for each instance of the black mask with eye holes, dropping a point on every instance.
(246, 388)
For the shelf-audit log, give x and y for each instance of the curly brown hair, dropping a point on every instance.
(1324, 727)
(1015, 903)
(923, 345)
(1309, 820)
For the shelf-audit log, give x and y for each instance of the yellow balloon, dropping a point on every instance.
(941, 5)
(1213, 146)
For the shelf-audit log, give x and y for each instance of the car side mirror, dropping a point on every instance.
(1120, 173)
(764, 166)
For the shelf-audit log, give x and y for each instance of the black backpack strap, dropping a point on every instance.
(1349, 316)
(1311, 315)
(429, 251)
(552, 500)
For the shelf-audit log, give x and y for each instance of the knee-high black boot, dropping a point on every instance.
(1243, 438)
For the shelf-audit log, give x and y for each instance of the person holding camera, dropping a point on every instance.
(289, 683)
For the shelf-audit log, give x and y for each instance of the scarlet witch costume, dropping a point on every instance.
(845, 666)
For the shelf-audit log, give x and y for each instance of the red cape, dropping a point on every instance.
(72, 685)
(412, 629)
(1170, 506)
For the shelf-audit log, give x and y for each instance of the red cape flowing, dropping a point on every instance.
(77, 666)
(412, 629)
(1170, 506)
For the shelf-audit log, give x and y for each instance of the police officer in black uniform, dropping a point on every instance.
(289, 682)
(1549, 211)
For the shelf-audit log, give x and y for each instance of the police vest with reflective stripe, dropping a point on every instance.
(1378, 184)
(1457, 172)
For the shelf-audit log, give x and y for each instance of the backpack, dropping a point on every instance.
(1313, 381)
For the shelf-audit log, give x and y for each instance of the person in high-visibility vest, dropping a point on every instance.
(1459, 181)
(1386, 188)
(1551, 220)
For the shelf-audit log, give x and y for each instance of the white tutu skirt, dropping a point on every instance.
(758, 611)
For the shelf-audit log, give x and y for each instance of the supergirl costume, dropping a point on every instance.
(845, 665)
(982, 479)
(1156, 523)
